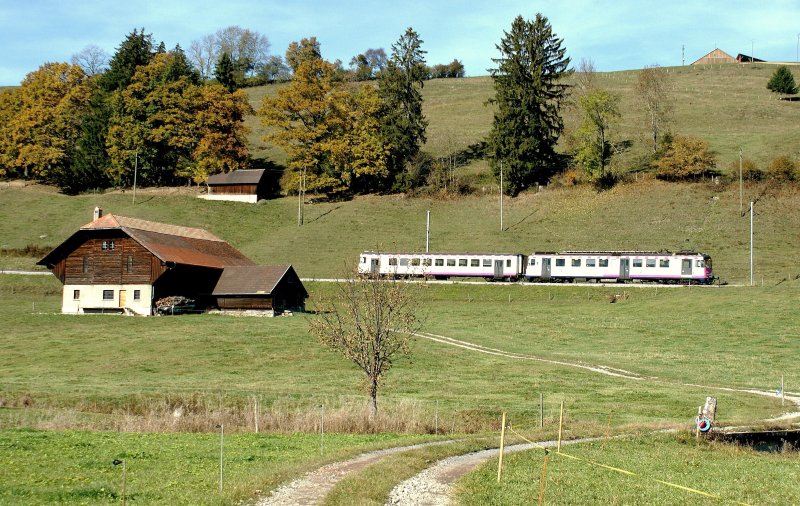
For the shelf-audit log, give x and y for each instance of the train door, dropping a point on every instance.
(686, 267)
(374, 264)
(624, 268)
(498, 269)
(545, 268)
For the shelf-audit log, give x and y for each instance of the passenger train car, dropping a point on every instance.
(615, 266)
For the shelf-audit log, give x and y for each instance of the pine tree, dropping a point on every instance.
(782, 81)
(135, 50)
(529, 92)
(402, 122)
(224, 72)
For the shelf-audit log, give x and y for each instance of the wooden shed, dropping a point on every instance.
(117, 264)
(246, 185)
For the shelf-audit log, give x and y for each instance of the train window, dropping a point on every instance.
(700, 263)
(439, 262)
(392, 261)
(404, 262)
(363, 260)
(415, 262)
(604, 262)
(532, 261)
(487, 262)
(664, 262)
(590, 262)
(650, 262)
(508, 263)
(426, 262)
(576, 262)
(462, 262)
(637, 262)
(474, 263)
(561, 262)
(451, 262)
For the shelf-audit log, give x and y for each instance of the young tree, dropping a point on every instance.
(92, 59)
(783, 168)
(529, 93)
(653, 90)
(685, 158)
(223, 72)
(600, 113)
(371, 322)
(782, 81)
(399, 86)
(275, 71)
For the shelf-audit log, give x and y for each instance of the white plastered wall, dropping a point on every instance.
(91, 296)
(251, 199)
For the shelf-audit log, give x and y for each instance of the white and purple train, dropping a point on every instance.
(688, 267)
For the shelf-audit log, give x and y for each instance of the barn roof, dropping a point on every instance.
(254, 279)
(244, 176)
(169, 243)
(716, 55)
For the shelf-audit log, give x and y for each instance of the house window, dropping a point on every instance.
(108, 294)
(576, 262)
(474, 263)
(651, 262)
(664, 262)
(590, 262)
(129, 264)
(439, 262)
(85, 265)
(137, 294)
(561, 262)
(451, 262)
(76, 294)
(604, 262)
(108, 245)
(637, 262)
(487, 262)
(462, 262)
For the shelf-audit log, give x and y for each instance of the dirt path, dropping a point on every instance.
(315, 485)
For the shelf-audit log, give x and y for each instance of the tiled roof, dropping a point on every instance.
(250, 280)
(246, 176)
(111, 221)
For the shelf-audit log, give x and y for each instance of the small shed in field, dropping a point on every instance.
(246, 185)
(715, 56)
(259, 288)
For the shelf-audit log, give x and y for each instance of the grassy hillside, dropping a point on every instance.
(728, 105)
(645, 215)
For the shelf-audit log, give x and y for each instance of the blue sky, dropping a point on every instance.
(615, 35)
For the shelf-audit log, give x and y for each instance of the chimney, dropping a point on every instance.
(98, 213)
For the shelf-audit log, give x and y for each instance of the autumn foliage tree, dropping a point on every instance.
(686, 158)
(654, 92)
(600, 110)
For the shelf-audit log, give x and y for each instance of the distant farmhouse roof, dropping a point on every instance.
(715, 56)
(254, 280)
(246, 176)
(743, 58)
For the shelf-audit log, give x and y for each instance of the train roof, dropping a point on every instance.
(435, 253)
(619, 252)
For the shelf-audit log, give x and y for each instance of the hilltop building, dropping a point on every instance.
(248, 185)
(715, 56)
(116, 264)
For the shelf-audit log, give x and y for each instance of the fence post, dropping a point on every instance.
(541, 410)
(436, 419)
(543, 480)
(560, 427)
(502, 444)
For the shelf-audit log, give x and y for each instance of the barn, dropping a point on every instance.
(117, 264)
(715, 56)
(248, 185)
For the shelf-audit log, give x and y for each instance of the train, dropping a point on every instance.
(686, 267)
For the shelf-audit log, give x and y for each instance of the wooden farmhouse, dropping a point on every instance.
(125, 265)
(239, 185)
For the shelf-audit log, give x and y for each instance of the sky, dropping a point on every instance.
(613, 35)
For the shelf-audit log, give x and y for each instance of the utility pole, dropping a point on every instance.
(135, 171)
(797, 56)
(428, 232)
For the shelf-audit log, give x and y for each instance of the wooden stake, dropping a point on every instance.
(255, 411)
(541, 410)
(783, 397)
(502, 444)
(543, 479)
(560, 427)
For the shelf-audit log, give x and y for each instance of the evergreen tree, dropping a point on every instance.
(529, 92)
(399, 84)
(224, 72)
(89, 159)
(135, 50)
(782, 81)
